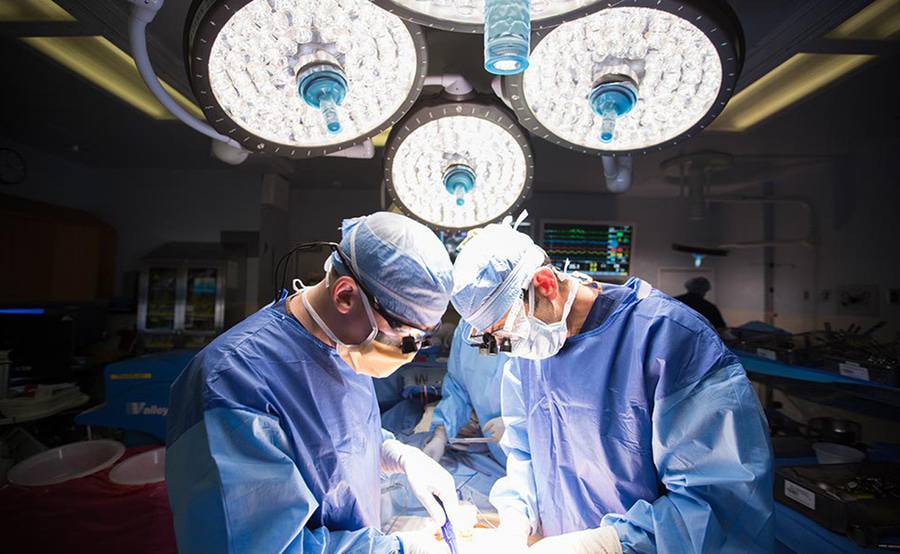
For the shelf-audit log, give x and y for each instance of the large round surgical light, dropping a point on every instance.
(455, 166)
(302, 78)
(467, 16)
(632, 78)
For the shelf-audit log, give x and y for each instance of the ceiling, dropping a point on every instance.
(50, 108)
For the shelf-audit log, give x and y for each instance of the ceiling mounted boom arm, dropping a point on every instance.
(143, 13)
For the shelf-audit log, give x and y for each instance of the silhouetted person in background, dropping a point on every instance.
(696, 290)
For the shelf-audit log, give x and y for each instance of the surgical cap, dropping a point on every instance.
(697, 285)
(400, 262)
(491, 270)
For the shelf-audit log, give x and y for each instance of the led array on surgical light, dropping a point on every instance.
(312, 73)
(458, 171)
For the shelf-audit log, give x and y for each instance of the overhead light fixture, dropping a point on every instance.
(629, 79)
(790, 82)
(699, 253)
(26, 11)
(458, 165)
(467, 16)
(302, 78)
(106, 66)
(880, 20)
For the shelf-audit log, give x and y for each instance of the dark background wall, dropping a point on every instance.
(146, 207)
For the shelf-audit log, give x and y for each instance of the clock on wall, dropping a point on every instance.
(12, 167)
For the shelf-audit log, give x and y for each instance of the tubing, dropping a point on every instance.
(137, 27)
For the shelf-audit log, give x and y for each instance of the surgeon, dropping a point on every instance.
(629, 426)
(472, 383)
(274, 435)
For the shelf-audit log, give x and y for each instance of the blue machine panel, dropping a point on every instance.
(137, 393)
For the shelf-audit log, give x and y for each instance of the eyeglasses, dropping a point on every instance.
(490, 343)
(405, 336)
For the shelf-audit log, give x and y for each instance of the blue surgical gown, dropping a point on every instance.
(646, 423)
(274, 446)
(472, 382)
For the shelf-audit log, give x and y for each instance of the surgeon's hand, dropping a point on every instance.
(437, 444)
(426, 477)
(494, 428)
(602, 540)
(421, 542)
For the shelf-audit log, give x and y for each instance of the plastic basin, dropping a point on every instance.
(147, 467)
(831, 453)
(65, 463)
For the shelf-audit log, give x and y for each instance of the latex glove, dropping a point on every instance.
(426, 477)
(421, 542)
(437, 444)
(494, 428)
(514, 530)
(602, 540)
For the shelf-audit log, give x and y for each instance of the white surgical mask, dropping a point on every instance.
(532, 338)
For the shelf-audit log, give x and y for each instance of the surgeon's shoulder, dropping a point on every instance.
(681, 340)
(662, 306)
(226, 369)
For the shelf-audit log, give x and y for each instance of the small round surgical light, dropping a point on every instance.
(455, 166)
(302, 78)
(631, 78)
(467, 16)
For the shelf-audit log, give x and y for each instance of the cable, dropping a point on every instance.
(143, 13)
(278, 281)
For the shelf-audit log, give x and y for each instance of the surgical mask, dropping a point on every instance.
(532, 338)
(370, 357)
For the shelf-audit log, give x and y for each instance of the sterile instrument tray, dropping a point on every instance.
(800, 349)
(865, 370)
(861, 501)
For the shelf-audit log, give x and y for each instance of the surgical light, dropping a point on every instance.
(636, 77)
(458, 165)
(302, 78)
(467, 16)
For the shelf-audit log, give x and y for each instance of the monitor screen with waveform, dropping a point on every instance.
(601, 250)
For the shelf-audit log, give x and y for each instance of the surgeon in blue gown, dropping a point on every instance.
(629, 426)
(472, 383)
(274, 435)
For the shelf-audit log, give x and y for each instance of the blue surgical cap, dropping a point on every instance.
(491, 270)
(400, 262)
